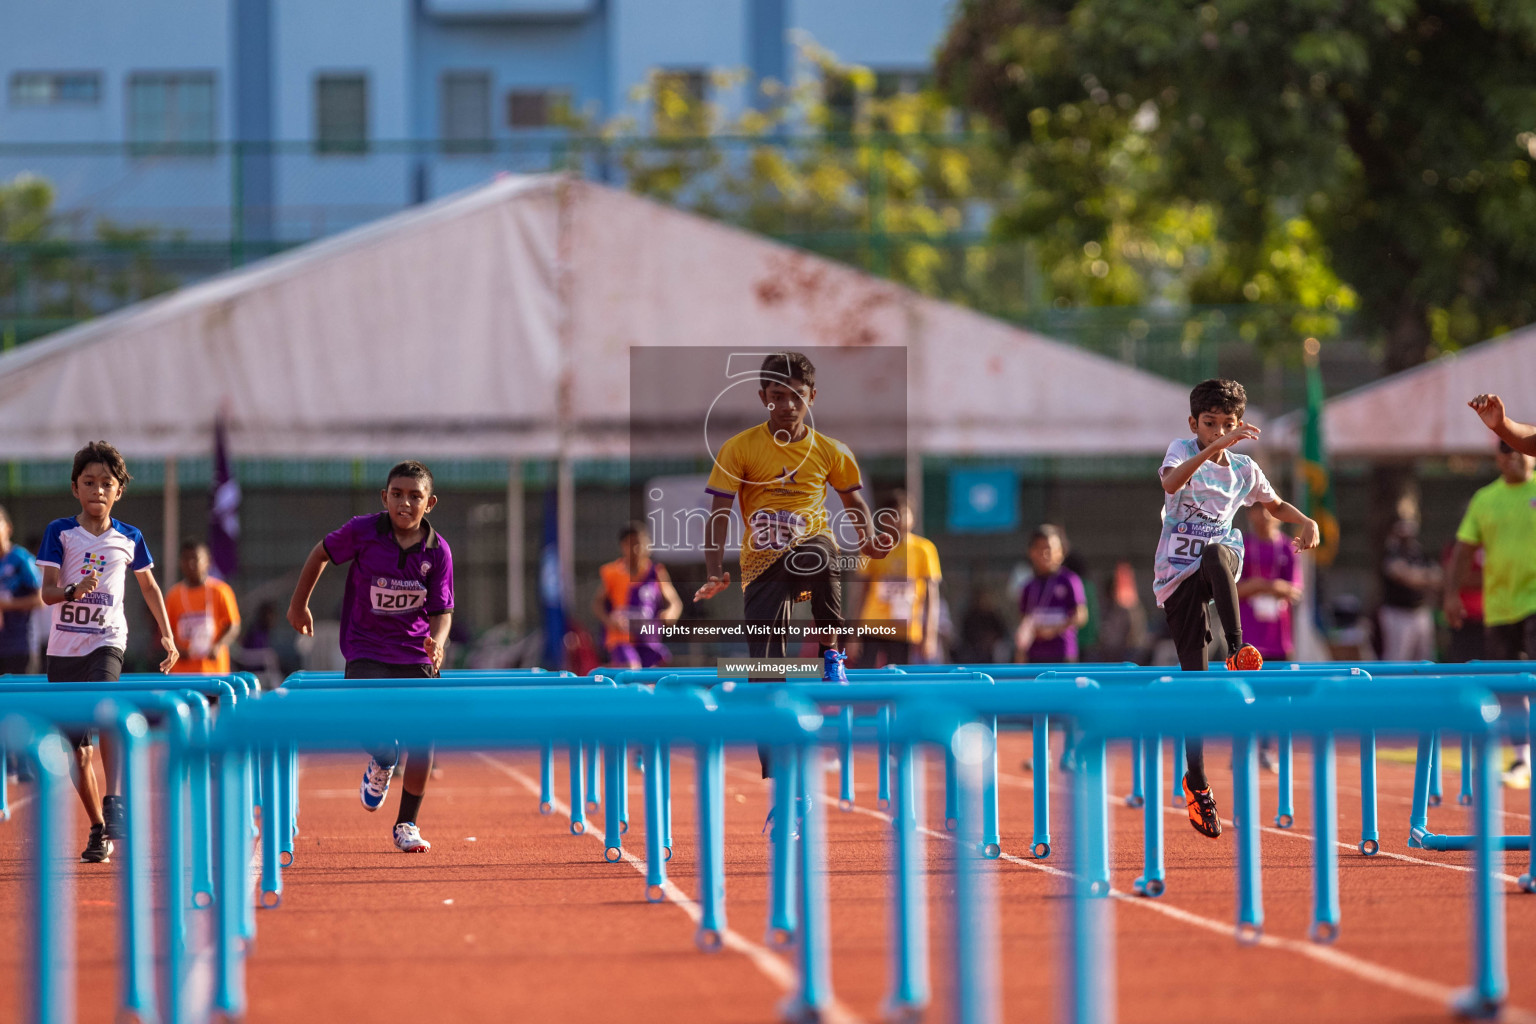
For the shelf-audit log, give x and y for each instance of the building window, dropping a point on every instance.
(537, 108)
(171, 110)
(46, 88)
(680, 102)
(466, 111)
(341, 114)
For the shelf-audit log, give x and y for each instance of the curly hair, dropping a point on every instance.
(787, 368)
(1218, 395)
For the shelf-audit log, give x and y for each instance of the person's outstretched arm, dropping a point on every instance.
(1308, 537)
(156, 601)
(1175, 477)
(714, 547)
(1519, 436)
(299, 616)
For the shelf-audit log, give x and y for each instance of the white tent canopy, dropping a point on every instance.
(499, 323)
(1423, 411)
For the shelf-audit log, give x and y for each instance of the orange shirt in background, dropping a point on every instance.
(199, 616)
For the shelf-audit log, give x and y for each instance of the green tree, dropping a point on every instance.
(1312, 152)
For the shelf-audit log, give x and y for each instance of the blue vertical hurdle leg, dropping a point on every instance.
(547, 778)
(287, 802)
(909, 974)
(781, 876)
(229, 990)
(815, 945)
(136, 884)
(594, 779)
(951, 792)
(710, 936)
(173, 861)
(1285, 814)
(1464, 798)
(1418, 812)
(1091, 950)
(666, 798)
(50, 941)
(991, 827)
(845, 753)
(622, 786)
(655, 861)
(578, 794)
(1490, 982)
(1040, 845)
(271, 871)
(1093, 758)
(1250, 891)
(1138, 794)
(1436, 768)
(1325, 842)
(1528, 880)
(883, 758)
(1180, 766)
(199, 772)
(975, 941)
(1370, 837)
(613, 807)
(5, 806)
(248, 868)
(1151, 882)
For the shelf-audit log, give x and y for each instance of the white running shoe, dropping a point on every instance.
(1518, 776)
(375, 785)
(408, 838)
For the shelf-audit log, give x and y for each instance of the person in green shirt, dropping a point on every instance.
(1501, 519)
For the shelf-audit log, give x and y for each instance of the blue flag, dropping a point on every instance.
(223, 509)
(549, 587)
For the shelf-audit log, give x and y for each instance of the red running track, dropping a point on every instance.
(510, 917)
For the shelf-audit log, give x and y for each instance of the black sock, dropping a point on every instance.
(1194, 758)
(410, 805)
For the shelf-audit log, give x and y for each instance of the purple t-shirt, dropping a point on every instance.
(1053, 601)
(391, 591)
(1267, 618)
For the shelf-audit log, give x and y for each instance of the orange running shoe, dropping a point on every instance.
(1202, 810)
(1247, 659)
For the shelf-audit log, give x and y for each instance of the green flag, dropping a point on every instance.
(1312, 468)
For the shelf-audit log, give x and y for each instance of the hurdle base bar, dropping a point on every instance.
(1468, 1005)
(1424, 840)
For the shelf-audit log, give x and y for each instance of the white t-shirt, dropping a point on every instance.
(1201, 512)
(96, 619)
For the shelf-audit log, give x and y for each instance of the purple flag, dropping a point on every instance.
(223, 509)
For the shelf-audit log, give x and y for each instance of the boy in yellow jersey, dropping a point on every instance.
(905, 587)
(780, 470)
(1501, 519)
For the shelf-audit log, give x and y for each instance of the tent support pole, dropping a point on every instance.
(565, 511)
(171, 545)
(516, 599)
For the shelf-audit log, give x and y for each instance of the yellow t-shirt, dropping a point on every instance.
(782, 489)
(897, 585)
(1502, 518)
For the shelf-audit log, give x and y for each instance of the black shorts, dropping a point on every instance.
(103, 665)
(1512, 641)
(367, 668)
(1188, 611)
(812, 566)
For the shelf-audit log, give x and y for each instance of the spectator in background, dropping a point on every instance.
(1502, 519)
(20, 594)
(982, 630)
(904, 586)
(635, 589)
(1052, 604)
(204, 616)
(1123, 633)
(1467, 640)
(1271, 584)
(1409, 579)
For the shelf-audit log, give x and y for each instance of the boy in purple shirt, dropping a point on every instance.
(1271, 583)
(395, 617)
(1053, 604)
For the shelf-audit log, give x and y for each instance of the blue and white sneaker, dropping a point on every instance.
(408, 838)
(375, 785)
(832, 670)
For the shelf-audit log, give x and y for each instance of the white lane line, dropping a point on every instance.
(773, 967)
(1364, 969)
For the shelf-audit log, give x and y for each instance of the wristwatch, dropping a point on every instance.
(69, 592)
